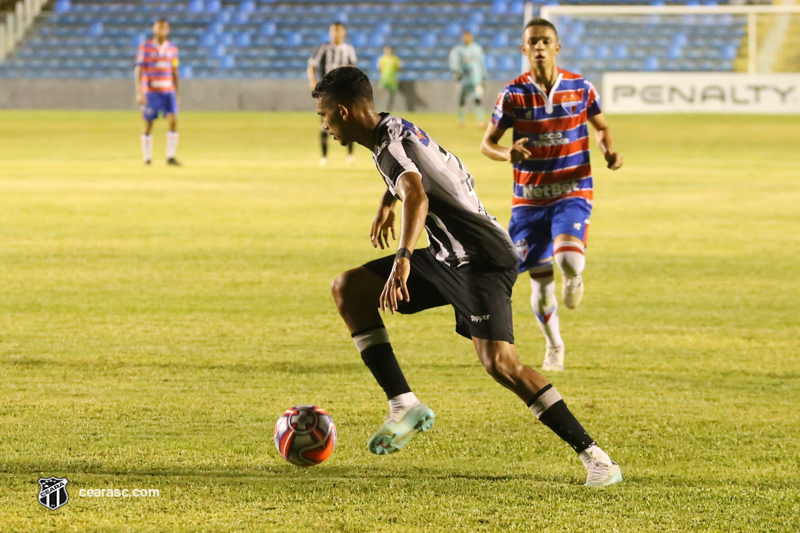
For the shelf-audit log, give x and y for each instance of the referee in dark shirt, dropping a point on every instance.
(325, 58)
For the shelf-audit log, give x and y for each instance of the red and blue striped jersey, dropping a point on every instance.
(558, 137)
(157, 62)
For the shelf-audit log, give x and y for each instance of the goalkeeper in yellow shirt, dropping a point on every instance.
(389, 65)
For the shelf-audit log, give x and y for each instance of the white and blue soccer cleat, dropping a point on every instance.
(554, 359)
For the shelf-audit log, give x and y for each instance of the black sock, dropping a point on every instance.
(377, 354)
(350, 148)
(323, 142)
(552, 411)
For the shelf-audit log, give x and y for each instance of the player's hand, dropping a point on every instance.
(395, 289)
(518, 152)
(312, 85)
(382, 224)
(178, 100)
(140, 99)
(614, 160)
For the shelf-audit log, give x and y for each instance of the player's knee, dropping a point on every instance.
(569, 256)
(543, 291)
(339, 288)
(501, 365)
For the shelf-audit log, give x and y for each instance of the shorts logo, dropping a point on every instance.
(577, 225)
(522, 248)
(479, 318)
(53, 492)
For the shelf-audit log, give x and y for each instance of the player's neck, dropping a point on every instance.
(368, 119)
(160, 40)
(544, 76)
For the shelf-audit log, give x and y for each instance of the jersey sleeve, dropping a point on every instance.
(175, 60)
(353, 58)
(395, 160)
(592, 101)
(482, 63)
(316, 57)
(503, 115)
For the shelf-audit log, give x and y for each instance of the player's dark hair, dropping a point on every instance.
(541, 23)
(162, 20)
(337, 23)
(344, 85)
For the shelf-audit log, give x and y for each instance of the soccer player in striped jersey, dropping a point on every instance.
(156, 76)
(548, 109)
(326, 57)
(470, 264)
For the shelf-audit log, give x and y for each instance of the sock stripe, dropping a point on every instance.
(544, 401)
(562, 249)
(371, 338)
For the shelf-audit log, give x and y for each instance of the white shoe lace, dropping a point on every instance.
(597, 471)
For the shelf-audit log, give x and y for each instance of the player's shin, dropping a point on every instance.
(147, 147)
(172, 144)
(545, 307)
(550, 408)
(377, 354)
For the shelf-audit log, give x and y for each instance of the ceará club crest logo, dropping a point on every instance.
(53, 492)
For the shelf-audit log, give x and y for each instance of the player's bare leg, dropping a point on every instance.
(356, 293)
(147, 142)
(545, 307)
(172, 139)
(569, 256)
(501, 361)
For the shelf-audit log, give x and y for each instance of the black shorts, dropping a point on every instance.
(480, 295)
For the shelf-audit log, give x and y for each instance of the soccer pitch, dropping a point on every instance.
(156, 321)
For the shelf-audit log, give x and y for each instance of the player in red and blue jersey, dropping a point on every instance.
(156, 76)
(548, 110)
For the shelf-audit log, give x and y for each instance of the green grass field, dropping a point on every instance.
(155, 322)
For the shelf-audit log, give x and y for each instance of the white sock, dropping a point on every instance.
(570, 258)
(545, 307)
(402, 402)
(172, 144)
(147, 147)
(594, 452)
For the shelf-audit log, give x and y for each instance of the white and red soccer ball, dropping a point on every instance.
(305, 435)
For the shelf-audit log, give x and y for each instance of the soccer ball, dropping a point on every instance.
(305, 435)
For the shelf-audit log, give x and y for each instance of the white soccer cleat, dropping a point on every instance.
(323, 161)
(572, 292)
(554, 359)
(350, 160)
(601, 470)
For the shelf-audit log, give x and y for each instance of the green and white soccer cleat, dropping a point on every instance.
(602, 475)
(572, 291)
(394, 434)
(601, 470)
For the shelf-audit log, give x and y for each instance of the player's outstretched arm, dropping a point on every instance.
(415, 210)
(489, 147)
(602, 133)
(383, 222)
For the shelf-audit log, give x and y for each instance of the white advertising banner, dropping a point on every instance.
(695, 92)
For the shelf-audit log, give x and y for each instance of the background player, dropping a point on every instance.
(389, 65)
(548, 109)
(325, 58)
(156, 74)
(468, 65)
(471, 264)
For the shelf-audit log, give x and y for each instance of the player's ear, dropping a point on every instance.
(343, 111)
(558, 47)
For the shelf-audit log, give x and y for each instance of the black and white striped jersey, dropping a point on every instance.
(329, 56)
(459, 229)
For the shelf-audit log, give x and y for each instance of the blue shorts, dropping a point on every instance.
(533, 229)
(159, 103)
